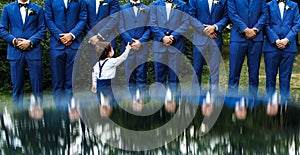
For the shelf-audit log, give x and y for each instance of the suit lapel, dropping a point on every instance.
(130, 9)
(62, 3)
(213, 6)
(99, 10)
(162, 9)
(16, 9)
(275, 5)
(285, 12)
(172, 11)
(206, 5)
(27, 18)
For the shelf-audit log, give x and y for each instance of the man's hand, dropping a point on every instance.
(285, 42)
(250, 33)
(136, 45)
(281, 44)
(66, 38)
(94, 40)
(213, 35)
(23, 44)
(168, 40)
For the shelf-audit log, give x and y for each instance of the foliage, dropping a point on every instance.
(5, 85)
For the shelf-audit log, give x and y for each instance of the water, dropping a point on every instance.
(55, 133)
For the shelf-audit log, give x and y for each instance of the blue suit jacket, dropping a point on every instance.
(64, 20)
(176, 25)
(131, 26)
(199, 9)
(277, 28)
(107, 26)
(12, 27)
(244, 14)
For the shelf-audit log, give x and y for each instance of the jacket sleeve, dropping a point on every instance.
(112, 23)
(271, 35)
(4, 27)
(37, 37)
(185, 23)
(262, 19)
(224, 21)
(147, 33)
(296, 23)
(193, 17)
(124, 34)
(78, 29)
(154, 23)
(234, 16)
(55, 31)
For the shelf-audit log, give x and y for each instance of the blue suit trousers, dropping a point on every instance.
(282, 61)
(238, 51)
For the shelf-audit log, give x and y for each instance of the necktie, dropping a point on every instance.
(135, 4)
(23, 5)
(169, 1)
(281, 1)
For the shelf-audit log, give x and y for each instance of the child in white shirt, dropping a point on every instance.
(105, 70)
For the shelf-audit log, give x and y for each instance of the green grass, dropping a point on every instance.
(5, 97)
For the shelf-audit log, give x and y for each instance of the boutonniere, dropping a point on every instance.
(30, 11)
(216, 2)
(73, 1)
(175, 6)
(287, 8)
(141, 9)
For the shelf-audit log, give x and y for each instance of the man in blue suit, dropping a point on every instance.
(133, 26)
(23, 27)
(213, 18)
(248, 19)
(66, 20)
(280, 45)
(169, 21)
(102, 20)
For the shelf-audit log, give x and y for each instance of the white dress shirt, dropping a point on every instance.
(210, 5)
(66, 3)
(97, 6)
(168, 9)
(281, 9)
(135, 9)
(23, 10)
(109, 68)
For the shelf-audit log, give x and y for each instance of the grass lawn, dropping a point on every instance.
(5, 97)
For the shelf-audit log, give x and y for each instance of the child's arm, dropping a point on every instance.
(94, 78)
(122, 57)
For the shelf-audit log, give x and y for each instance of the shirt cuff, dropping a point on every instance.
(13, 41)
(31, 44)
(216, 27)
(100, 37)
(255, 30)
(73, 36)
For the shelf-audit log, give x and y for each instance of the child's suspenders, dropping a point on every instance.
(101, 66)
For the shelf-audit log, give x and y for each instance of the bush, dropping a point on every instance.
(6, 85)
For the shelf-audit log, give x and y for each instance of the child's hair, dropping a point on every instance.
(103, 48)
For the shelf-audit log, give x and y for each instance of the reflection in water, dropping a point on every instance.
(56, 134)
